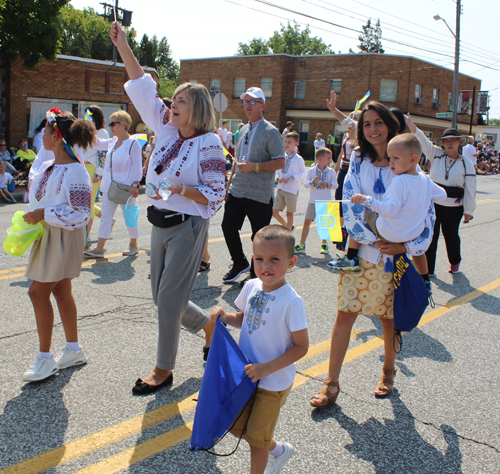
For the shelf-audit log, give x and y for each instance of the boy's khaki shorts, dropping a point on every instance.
(259, 431)
(311, 212)
(285, 199)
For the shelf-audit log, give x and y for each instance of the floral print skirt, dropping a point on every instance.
(369, 292)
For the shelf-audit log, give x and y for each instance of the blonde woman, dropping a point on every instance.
(189, 156)
(124, 166)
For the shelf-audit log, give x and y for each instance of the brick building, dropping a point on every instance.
(70, 83)
(296, 88)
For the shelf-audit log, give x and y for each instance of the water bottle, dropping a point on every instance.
(162, 189)
(151, 190)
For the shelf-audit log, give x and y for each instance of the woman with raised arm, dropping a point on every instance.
(368, 292)
(457, 176)
(185, 182)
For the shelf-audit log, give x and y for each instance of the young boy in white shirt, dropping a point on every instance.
(321, 179)
(5, 180)
(273, 336)
(400, 217)
(289, 181)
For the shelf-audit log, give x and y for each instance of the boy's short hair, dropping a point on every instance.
(409, 141)
(224, 122)
(322, 152)
(271, 232)
(293, 135)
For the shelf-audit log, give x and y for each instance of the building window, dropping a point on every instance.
(336, 85)
(304, 131)
(388, 90)
(239, 87)
(214, 87)
(266, 84)
(193, 81)
(300, 90)
(418, 94)
(435, 96)
(429, 135)
(450, 101)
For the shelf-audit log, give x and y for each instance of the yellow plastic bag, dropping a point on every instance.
(21, 235)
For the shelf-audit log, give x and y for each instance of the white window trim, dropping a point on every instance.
(300, 81)
(300, 129)
(336, 80)
(267, 93)
(395, 91)
(237, 94)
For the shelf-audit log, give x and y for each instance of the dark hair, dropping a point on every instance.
(279, 232)
(167, 101)
(293, 135)
(387, 117)
(40, 127)
(76, 131)
(401, 119)
(97, 116)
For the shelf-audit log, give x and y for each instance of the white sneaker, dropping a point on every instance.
(68, 358)
(274, 464)
(40, 369)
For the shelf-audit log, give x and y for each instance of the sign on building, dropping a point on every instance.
(482, 102)
(464, 99)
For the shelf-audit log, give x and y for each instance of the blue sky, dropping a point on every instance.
(201, 29)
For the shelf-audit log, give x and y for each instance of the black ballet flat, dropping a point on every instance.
(142, 388)
(206, 350)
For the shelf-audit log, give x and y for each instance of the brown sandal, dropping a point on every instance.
(386, 379)
(325, 396)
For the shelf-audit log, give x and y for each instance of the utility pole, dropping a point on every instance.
(111, 14)
(457, 60)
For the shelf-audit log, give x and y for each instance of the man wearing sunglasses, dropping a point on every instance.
(260, 153)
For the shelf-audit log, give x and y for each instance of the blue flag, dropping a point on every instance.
(410, 295)
(225, 390)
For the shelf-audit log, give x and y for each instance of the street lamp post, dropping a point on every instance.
(457, 58)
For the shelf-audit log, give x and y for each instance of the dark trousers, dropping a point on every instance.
(448, 219)
(235, 211)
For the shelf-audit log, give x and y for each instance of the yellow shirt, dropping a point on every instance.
(26, 155)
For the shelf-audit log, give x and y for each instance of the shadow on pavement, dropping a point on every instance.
(36, 420)
(112, 272)
(396, 446)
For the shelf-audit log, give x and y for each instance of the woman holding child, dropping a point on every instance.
(189, 156)
(369, 291)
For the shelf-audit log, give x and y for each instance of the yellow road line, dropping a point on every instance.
(12, 275)
(141, 451)
(114, 433)
(12, 270)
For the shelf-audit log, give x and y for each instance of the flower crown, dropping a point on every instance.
(51, 117)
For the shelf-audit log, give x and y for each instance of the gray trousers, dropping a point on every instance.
(175, 258)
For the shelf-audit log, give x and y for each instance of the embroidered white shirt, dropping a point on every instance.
(198, 162)
(64, 191)
(295, 171)
(266, 332)
(317, 193)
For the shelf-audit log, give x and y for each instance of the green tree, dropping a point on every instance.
(495, 122)
(30, 28)
(288, 40)
(370, 40)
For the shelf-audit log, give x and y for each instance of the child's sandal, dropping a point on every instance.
(326, 398)
(387, 378)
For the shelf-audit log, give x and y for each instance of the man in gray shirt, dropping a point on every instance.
(260, 153)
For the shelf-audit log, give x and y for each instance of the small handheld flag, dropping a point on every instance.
(359, 102)
(328, 220)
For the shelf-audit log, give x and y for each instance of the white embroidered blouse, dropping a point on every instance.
(64, 191)
(197, 161)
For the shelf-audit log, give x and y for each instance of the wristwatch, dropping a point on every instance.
(257, 170)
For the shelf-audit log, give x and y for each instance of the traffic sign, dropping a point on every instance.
(444, 115)
(220, 102)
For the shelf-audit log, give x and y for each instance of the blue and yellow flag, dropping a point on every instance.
(328, 220)
(359, 102)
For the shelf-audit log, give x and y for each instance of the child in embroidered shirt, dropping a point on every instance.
(5, 179)
(321, 179)
(289, 180)
(274, 336)
(400, 217)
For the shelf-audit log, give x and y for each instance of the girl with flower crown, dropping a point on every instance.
(60, 196)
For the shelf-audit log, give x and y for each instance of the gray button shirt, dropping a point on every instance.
(258, 142)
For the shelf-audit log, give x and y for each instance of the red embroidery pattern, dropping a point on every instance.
(170, 155)
(61, 178)
(80, 197)
(213, 165)
(165, 114)
(42, 185)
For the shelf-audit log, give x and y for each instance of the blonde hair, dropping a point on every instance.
(409, 141)
(201, 109)
(122, 117)
(322, 152)
(278, 232)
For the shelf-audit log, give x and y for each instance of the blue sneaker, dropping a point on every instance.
(345, 264)
(299, 248)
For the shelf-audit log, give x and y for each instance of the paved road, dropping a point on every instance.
(443, 417)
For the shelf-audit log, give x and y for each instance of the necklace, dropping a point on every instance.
(447, 168)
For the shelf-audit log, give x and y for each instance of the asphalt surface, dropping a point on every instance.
(443, 417)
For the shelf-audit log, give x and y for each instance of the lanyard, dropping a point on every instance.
(447, 168)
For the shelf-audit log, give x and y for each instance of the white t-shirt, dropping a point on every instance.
(266, 332)
(5, 179)
(468, 151)
(319, 144)
(223, 134)
(329, 176)
(405, 205)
